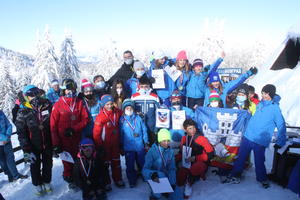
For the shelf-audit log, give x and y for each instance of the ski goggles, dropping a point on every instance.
(175, 96)
(69, 86)
(87, 146)
(33, 92)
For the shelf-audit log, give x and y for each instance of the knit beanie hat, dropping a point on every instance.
(86, 142)
(137, 65)
(85, 85)
(270, 89)
(181, 55)
(159, 54)
(243, 88)
(106, 98)
(127, 102)
(197, 62)
(214, 96)
(163, 134)
(54, 82)
(214, 77)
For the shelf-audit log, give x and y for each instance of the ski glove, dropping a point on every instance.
(29, 158)
(154, 177)
(253, 70)
(171, 62)
(69, 132)
(276, 146)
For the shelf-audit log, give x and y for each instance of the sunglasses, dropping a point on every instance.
(33, 92)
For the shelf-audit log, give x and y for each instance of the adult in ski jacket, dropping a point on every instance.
(68, 119)
(126, 70)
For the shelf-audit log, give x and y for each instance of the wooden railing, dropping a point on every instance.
(18, 148)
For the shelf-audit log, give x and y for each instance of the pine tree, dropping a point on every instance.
(110, 61)
(46, 64)
(68, 60)
(6, 89)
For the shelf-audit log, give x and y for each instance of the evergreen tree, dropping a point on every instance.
(6, 89)
(46, 64)
(68, 60)
(110, 61)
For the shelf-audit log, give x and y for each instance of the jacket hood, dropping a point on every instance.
(276, 99)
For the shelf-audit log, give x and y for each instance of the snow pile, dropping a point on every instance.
(210, 189)
(287, 83)
(294, 32)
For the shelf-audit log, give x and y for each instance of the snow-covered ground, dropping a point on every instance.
(210, 189)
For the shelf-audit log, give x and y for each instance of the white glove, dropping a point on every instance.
(29, 157)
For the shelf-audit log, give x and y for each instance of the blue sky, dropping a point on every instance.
(140, 24)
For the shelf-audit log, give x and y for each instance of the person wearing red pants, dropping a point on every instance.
(107, 136)
(68, 118)
(198, 151)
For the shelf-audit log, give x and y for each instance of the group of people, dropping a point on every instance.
(105, 119)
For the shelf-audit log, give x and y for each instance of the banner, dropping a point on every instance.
(178, 117)
(173, 72)
(158, 74)
(224, 129)
(162, 118)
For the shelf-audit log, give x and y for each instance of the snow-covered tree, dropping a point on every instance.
(210, 43)
(68, 60)
(6, 89)
(46, 64)
(110, 61)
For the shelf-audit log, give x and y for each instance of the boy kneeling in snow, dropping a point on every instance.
(87, 171)
(160, 162)
(197, 152)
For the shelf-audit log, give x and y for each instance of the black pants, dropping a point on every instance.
(41, 169)
(191, 102)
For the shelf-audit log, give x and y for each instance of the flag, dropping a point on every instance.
(224, 129)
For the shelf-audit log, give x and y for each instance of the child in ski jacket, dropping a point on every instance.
(33, 128)
(106, 134)
(223, 90)
(160, 162)
(134, 140)
(195, 87)
(88, 171)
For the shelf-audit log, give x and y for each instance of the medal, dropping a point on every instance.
(72, 108)
(87, 173)
(132, 127)
(41, 127)
(180, 88)
(73, 117)
(113, 122)
(88, 182)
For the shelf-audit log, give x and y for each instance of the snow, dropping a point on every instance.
(287, 83)
(210, 189)
(294, 31)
